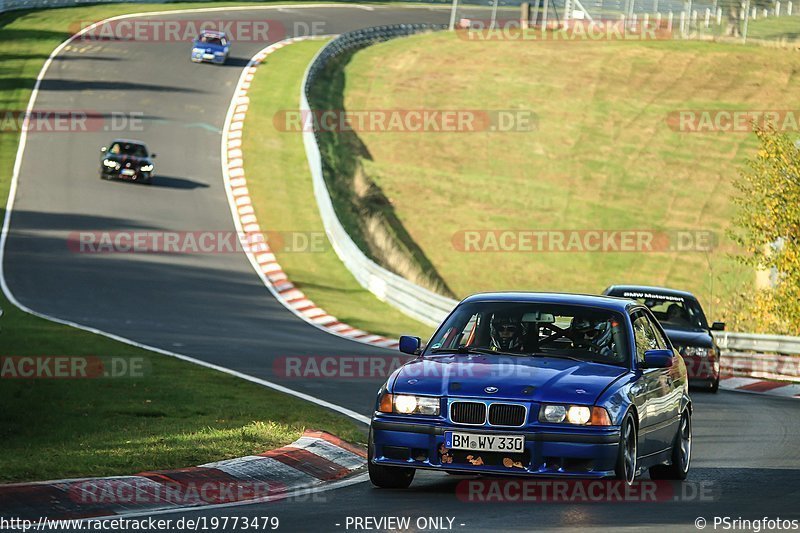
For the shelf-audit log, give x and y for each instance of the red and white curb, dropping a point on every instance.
(760, 386)
(308, 464)
(261, 256)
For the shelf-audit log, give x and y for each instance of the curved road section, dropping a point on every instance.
(214, 308)
(211, 307)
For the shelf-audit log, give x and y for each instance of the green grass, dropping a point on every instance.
(775, 28)
(280, 185)
(175, 415)
(602, 157)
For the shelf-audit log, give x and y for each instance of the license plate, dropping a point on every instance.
(484, 443)
(128, 172)
(208, 56)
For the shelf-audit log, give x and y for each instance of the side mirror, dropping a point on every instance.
(104, 149)
(409, 344)
(658, 359)
(153, 156)
(718, 326)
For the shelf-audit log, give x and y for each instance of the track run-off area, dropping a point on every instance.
(213, 308)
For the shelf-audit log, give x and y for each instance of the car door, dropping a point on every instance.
(674, 382)
(652, 390)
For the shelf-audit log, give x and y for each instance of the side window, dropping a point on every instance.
(661, 342)
(467, 336)
(452, 338)
(645, 338)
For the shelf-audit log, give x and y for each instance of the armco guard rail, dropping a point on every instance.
(415, 301)
(760, 356)
(761, 365)
(755, 342)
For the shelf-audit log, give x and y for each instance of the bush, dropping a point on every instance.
(768, 229)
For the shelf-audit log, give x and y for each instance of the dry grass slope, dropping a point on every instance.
(603, 156)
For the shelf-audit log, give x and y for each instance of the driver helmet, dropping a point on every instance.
(506, 332)
(596, 335)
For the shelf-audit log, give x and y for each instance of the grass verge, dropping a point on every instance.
(602, 158)
(783, 28)
(280, 186)
(176, 414)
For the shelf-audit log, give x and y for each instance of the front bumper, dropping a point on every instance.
(567, 452)
(201, 58)
(117, 174)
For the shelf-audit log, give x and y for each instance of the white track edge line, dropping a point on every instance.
(10, 206)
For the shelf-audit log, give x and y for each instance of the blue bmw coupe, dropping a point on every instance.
(552, 385)
(211, 47)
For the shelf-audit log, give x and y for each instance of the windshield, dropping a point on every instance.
(212, 39)
(535, 329)
(673, 312)
(136, 150)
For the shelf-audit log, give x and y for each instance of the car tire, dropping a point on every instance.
(681, 456)
(627, 457)
(387, 477)
(714, 386)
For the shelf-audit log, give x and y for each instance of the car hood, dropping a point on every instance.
(515, 378)
(682, 337)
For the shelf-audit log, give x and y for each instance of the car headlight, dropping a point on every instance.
(147, 168)
(219, 53)
(197, 50)
(554, 413)
(579, 415)
(408, 404)
(110, 164)
(697, 351)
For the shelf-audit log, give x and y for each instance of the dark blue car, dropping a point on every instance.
(684, 322)
(553, 385)
(211, 47)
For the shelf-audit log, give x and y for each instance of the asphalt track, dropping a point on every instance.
(214, 307)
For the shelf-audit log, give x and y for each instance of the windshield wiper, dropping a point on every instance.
(473, 350)
(541, 354)
(447, 350)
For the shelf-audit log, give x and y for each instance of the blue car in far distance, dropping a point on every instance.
(534, 384)
(211, 47)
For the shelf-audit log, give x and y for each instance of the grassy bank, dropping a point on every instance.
(174, 414)
(362, 207)
(280, 185)
(603, 156)
(783, 28)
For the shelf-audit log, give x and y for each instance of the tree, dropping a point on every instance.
(768, 229)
